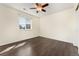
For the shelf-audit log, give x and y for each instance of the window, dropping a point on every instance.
(24, 23)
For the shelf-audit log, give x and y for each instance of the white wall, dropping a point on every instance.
(77, 27)
(60, 26)
(9, 30)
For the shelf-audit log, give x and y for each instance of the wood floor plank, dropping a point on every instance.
(41, 46)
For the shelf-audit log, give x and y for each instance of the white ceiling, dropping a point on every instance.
(52, 8)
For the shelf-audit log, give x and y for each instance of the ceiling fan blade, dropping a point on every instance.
(77, 7)
(43, 10)
(45, 5)
(37, 4)
(32, 8)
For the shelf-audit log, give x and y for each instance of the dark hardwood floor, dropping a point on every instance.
(40, 46)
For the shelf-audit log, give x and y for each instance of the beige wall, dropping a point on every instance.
(77, 27)
(9, 30)
(60, 26)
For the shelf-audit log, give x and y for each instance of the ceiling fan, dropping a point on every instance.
(40, 7)
(77, 7)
